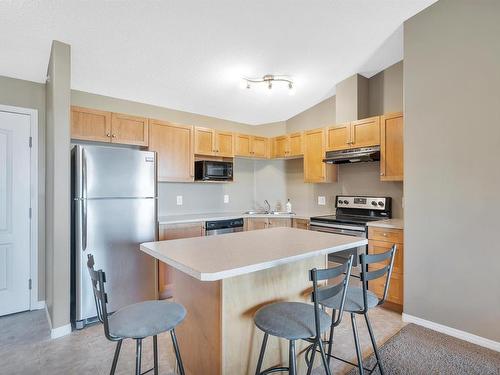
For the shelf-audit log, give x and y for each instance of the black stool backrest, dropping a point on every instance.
(385, 271)
(98, 279)
(320, 294)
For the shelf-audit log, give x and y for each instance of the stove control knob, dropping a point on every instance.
(374, 203)
(381, 204)
(346, 202)
(340, 201)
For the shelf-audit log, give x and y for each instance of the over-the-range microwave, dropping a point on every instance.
(209, 170)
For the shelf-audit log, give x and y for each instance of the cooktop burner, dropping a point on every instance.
(357, 210)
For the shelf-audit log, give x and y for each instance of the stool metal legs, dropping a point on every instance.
(374, 344)
(177, 352)
(356, 342)
(138, 355)
(292, 359)
(155, 354)
(261, 355)
(115, 358)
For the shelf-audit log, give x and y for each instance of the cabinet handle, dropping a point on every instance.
(113, 135)
(108, 135)
(384, 234)
(382, 173)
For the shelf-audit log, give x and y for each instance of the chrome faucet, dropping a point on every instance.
(268, 211)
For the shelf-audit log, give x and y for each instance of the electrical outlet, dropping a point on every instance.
(321, 200)
(226, 198)
(179, 200)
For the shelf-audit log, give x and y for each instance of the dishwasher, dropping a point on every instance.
(215, 227)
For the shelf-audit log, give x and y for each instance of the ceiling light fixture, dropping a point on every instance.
(269, 79)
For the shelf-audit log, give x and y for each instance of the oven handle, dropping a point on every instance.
(337, 230)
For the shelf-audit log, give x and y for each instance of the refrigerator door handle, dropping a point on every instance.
(84, 201)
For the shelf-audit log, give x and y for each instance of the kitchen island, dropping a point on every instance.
(223, 280)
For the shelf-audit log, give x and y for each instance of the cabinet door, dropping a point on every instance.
(90, 124)
(204, 142)
(259, 147)
(365, 132)
(253, 223)
(174, 146)
(129, 130)
(391, 147)
(295, 144)
(280, 146)
(300, 223)
(224, 144)
(315, 170)
(173, 232)
(339, 137)
(395, 293)
(274, 222)
(243, 145)
(377, 247)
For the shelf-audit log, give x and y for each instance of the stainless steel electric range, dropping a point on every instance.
(352, 213)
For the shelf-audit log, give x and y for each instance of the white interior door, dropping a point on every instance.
(14, 212)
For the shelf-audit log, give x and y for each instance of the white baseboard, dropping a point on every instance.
(59, 331)
(37, 305)
(466, 336)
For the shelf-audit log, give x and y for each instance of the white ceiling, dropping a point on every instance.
(190, 55)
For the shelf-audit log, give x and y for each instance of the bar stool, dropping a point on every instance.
(137, 321)
(302, 321)
(359, 301)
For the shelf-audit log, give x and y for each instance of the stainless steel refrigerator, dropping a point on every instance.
(113, 211)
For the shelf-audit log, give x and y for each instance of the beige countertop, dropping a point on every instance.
(218, 257)
(389, 223)
(193, 218)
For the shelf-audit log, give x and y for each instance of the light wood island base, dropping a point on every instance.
(218, 336)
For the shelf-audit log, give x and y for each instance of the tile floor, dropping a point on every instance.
(26, 347)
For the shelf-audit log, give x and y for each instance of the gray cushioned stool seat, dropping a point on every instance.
(353, 300)
(290, 320)
(145, 319)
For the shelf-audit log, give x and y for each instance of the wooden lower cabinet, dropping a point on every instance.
(173, 232)
(380, 240)
(300, 223)
(253, 223)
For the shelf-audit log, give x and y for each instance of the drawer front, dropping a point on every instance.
(385, 234)
(395, 293)
(377, 247)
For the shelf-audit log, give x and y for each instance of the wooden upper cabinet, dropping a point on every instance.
(315, 170)
(213, 142)
(224, 144)
(391, 147)
(251, 146)
(90, 124)
(339, 136)
(243, 146)
(259, 147)
(129, 130)
(204, 142)
(295, 141)
(280, 146)
(174, 146)
(365, 132)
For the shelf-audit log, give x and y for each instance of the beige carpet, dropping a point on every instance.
(417, 350)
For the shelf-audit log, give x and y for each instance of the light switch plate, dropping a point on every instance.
(179, 200)
(226, 198)
(321, 200)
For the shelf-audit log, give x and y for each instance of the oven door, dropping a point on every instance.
(345, 229)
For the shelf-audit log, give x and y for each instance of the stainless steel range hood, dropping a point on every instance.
(354, 155)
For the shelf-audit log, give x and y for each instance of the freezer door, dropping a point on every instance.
(106, 172)
(111, 230)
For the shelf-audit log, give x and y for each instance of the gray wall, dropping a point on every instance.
(323, 113)
(58, 185)
(352, 99)
(452, 173)
(19, 93)
(385, 91)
